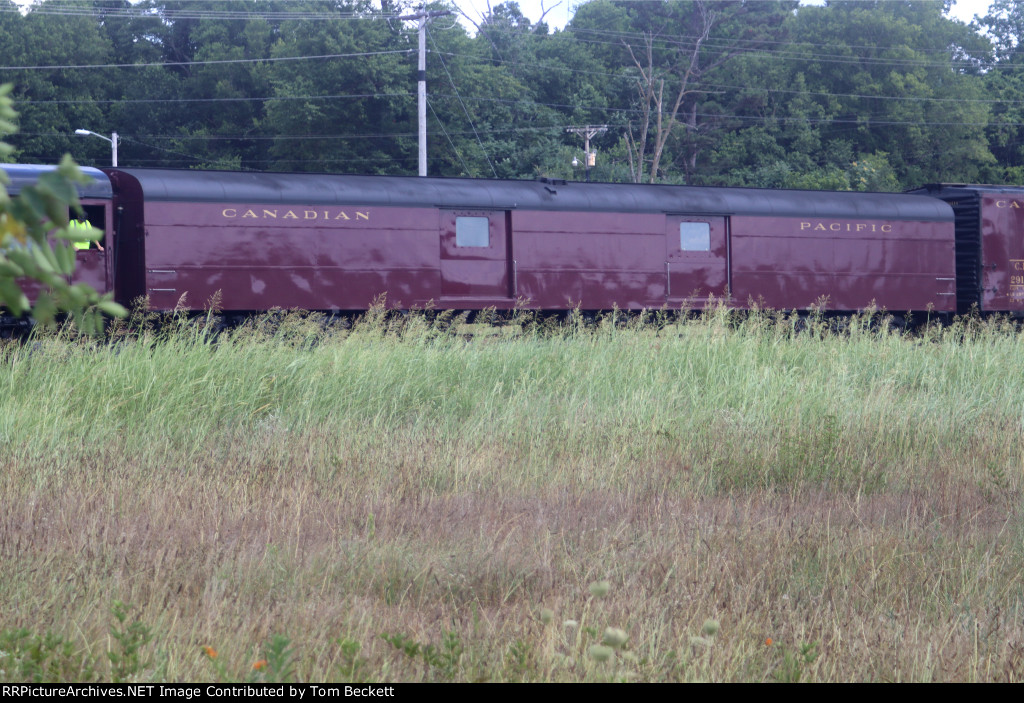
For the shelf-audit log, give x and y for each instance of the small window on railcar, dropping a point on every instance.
(472, 232)
(695, 236)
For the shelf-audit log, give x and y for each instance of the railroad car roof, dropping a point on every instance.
(22, 175)
(464, 193)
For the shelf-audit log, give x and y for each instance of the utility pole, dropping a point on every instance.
(421, 88)
(588, 133)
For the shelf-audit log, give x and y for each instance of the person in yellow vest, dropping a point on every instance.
(78, 222)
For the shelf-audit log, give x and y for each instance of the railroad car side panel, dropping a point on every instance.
(1002, 250)
(591, 260)
(272, 255)
(851, 264)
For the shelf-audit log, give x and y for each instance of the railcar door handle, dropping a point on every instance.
(668, 280)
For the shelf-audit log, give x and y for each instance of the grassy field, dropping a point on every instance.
(720, 499)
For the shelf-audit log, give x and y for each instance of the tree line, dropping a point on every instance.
(848, 95)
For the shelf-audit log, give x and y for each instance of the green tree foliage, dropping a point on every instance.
(36, 244)
(143, 89)
(54, 100)
(898, 78)
(765, 93)
(1004, 83)
(352, 112)
(672, 54)
(488, 100)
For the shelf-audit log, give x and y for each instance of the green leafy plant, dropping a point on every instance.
(280, 661)
(442, 662)
(354, 668)
(128, 660)
(795, 662)
(36, 243)
(30, 658)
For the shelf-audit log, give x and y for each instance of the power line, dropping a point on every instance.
(748, 89)
(272, 59)
(620, 38)
(847, 124)
(859, 119)
(464, 109)
(819, 57)
(689, 39)
(451, 142)
(546, 67)
(707, 86)
(172, 13)
(345, 96)
(554, 130)
(459, 97)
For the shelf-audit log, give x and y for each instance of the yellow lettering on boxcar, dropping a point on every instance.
(273, 214)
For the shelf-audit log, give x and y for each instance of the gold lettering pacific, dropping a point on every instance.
(819, 226)
(283, 214)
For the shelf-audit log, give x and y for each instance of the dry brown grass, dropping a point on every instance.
(422, 537)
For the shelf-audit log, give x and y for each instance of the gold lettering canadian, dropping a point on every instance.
(278, 214)
(844, 227)
(1012, 204)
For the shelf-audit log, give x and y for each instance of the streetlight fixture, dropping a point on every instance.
(112, 139)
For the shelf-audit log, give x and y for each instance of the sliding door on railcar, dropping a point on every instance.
(475, 255)
(696, 259)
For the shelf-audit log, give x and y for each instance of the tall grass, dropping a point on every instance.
(404, 502)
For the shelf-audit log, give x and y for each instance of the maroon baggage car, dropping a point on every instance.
(338, 242)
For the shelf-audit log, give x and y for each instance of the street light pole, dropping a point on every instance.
(112, 139)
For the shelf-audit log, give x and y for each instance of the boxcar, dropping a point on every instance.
(989, 245)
